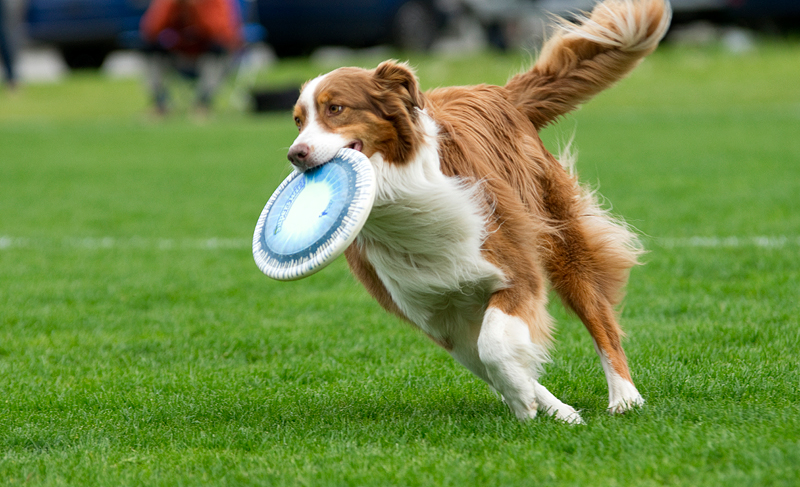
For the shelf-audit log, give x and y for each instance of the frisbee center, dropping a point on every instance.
(311, 204)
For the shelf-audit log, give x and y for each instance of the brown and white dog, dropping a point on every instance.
(473, 216)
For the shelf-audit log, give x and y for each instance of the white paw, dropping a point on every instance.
(563, 412)
(568, 415)
(622, 395)
(622, 404)
(549, 404)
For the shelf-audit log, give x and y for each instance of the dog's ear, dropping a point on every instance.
(397, 101)
(400, 79)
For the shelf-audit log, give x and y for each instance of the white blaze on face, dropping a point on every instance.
(322, 143)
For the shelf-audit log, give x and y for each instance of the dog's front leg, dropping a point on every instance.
(512, 362)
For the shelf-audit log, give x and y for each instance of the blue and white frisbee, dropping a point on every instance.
(314, 216)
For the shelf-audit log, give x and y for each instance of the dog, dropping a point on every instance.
(474, 220)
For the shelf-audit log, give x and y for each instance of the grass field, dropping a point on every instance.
(140, 345)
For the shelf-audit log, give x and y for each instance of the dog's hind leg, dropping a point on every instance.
(512, 349)
(599, 318)
(589, 268)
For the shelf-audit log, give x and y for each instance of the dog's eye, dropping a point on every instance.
(298, 122)
(335, 109)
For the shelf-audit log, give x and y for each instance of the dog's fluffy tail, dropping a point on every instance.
(587, 56)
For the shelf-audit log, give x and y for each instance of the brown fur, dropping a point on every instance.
(571, 70)
(381, 113)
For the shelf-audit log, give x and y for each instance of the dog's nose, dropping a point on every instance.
(298, 154)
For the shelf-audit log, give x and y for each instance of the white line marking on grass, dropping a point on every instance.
(91, 243)
(773, 242)
(216, 243)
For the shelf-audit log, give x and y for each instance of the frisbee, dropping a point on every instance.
(313, 216)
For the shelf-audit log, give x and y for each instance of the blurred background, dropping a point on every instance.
(50, 38)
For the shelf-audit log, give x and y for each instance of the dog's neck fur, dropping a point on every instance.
(424, 238)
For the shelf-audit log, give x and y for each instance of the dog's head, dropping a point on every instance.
(371, 111)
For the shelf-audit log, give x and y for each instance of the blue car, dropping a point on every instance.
(85, 31)
(296, 27)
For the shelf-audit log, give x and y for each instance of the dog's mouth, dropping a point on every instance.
(355, 145)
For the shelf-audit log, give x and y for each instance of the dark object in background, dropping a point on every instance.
(275, 99)
(297, 27)
(85, 31)
(8, 53)
(763, 15)
(780, 15)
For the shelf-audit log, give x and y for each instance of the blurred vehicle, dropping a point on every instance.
(518, 23)
(85, 31)
(752, 12)
(296, 27)
(759, 14)
(767, 14)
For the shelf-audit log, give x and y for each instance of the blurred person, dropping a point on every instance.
(195, 36)
(7, 53)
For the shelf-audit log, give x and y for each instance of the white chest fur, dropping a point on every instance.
(424, 238)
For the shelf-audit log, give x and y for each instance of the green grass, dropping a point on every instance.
(139, 344)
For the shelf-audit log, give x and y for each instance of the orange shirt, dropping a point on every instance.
(192, 26)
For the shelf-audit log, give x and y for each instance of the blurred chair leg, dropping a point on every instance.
(157, 67)
(246, 66)
(212, 68)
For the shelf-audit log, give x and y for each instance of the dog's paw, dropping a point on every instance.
(551, 405)
(623, 404)
(569, 415)
(563, 412)
(623, 396)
